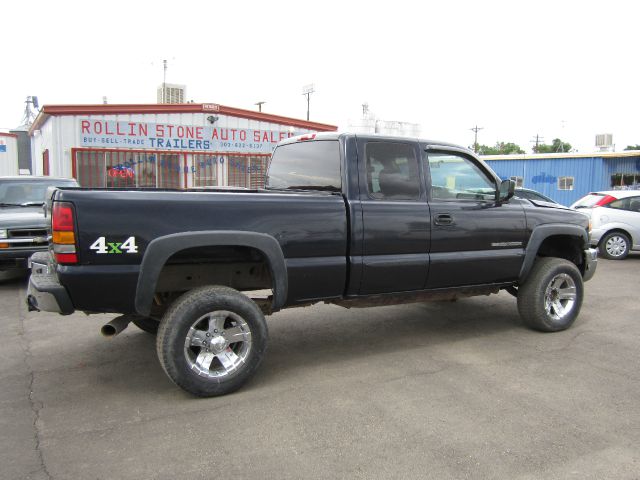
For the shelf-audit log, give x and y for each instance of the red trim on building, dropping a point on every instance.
(139, 109)
(12, 135)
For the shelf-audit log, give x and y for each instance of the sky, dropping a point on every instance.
(518, 69)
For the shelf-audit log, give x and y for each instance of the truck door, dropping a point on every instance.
(395, 217)
(474, 239)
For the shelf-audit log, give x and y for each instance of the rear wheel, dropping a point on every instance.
(212, 340)
(551, 297)
(615, 246)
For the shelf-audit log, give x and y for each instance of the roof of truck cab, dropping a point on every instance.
(367, 136)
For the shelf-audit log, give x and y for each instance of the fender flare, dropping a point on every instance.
(540, 234)
(160, 249)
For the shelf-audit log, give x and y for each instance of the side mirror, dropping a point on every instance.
(506, 190)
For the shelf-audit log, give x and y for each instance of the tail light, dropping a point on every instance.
(63, 233)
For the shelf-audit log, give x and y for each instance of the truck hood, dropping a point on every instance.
(540, 203)
(12, 217)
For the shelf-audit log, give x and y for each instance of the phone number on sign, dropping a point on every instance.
(244, 146)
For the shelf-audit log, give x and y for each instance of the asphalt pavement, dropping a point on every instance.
(447, 390)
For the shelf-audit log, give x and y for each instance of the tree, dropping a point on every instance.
(633, 147)
(500, 148)
(557, 146)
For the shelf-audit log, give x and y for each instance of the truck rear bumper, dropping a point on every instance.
(590, 263)
(45, 292)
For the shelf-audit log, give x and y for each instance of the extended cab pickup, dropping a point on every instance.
(347, 219)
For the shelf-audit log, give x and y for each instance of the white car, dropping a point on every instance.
(615, 221)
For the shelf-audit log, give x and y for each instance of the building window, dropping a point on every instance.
(519, 181)
(90, 169)
(205, 170)
(625, 181)
(45, 163)
(247, 171)
(565, 183)
(124, 169)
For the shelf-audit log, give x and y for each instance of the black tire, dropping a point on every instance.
(147, 324)
(551, 297)
(615, 246)
(205, 363)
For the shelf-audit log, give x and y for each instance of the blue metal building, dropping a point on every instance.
(565, 177)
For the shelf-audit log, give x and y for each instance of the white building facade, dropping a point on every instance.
(159, 146)
(8, 154)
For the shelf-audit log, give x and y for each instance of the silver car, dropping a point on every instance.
(615, 221)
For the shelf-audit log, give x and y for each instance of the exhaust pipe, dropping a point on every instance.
(115, 326)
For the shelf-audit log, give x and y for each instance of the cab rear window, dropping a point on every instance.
(306, 165)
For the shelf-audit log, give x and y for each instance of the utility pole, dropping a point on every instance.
(537, 140)
(164, 82)
(475, 138)
(259, 104)
(308, 90)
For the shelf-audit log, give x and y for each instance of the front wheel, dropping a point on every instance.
(551, 297)
(212, 340)
(614, 246)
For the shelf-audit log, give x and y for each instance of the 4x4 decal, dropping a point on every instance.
(102, 246)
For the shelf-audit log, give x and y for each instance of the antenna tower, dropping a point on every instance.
(31, 108)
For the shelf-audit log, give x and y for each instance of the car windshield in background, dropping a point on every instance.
(311, 165)
(588, 201)
(18, 192)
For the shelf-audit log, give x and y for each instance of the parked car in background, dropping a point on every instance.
(533, 195)
(615, 221)
(23, 229)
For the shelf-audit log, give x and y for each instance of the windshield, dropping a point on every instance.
(313, 165)
(589, 201)
(28, 192)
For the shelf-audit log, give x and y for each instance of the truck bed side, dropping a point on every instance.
(309, 228)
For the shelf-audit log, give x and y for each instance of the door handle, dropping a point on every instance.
(443, 219)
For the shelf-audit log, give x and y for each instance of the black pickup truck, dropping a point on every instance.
(347, 219)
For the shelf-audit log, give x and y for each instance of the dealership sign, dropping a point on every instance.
(166, 136)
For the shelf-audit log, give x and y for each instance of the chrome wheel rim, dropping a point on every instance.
(217, 345)
(616, 246)
(560, 296)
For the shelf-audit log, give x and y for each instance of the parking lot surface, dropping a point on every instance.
(441, 390)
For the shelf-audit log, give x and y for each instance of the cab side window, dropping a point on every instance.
(392, 171)
(456, 177)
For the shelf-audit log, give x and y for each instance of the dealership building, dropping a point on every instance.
(159, 145)
(566, 177)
